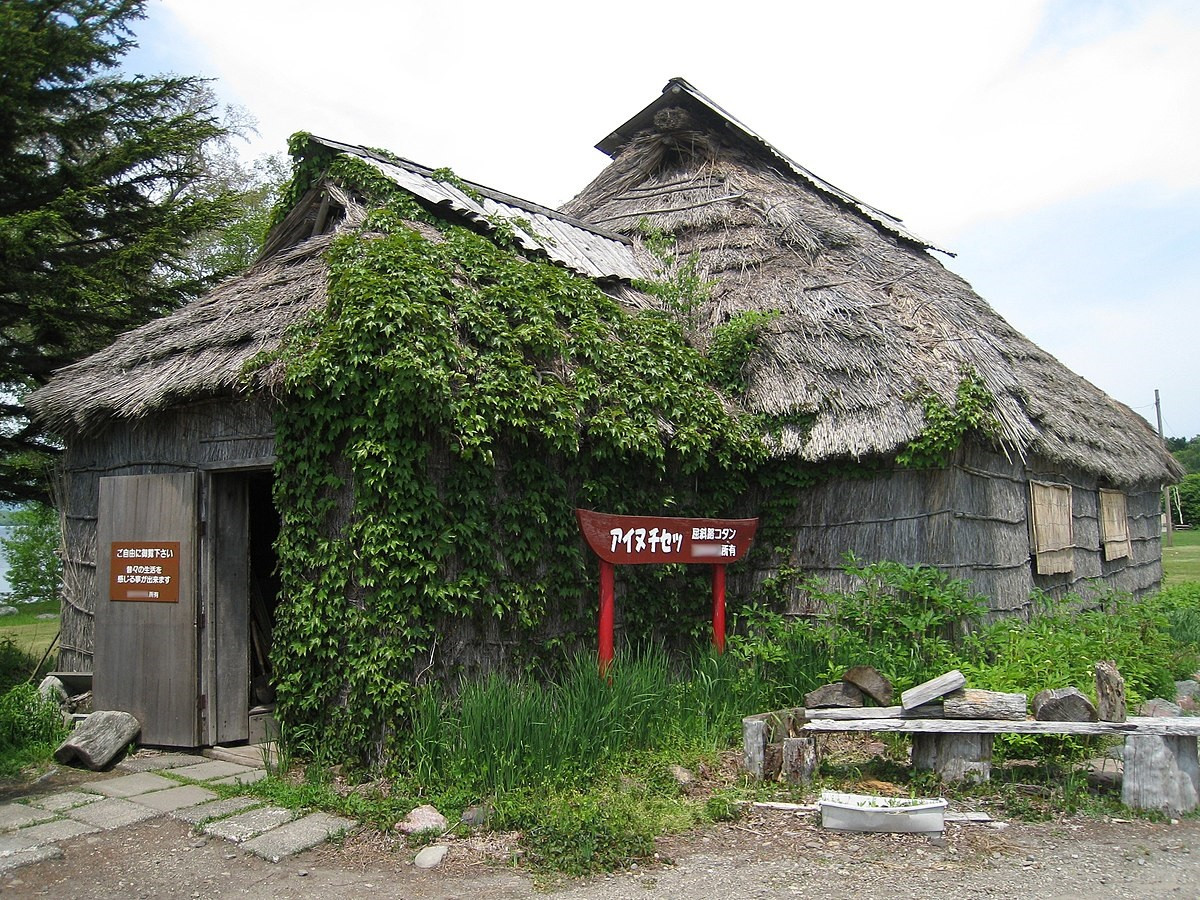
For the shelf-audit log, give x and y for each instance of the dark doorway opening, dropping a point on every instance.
(264, 588)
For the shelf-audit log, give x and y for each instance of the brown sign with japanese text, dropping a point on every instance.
(627, 540)
(146, 571)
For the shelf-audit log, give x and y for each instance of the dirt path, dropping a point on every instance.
(769, 854)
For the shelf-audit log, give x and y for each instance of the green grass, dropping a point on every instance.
(26, 631)
(1181, 561)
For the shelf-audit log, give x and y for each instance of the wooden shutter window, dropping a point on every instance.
(1053, 534)
(1114, 524)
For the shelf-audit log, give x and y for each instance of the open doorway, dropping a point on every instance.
(264, 591)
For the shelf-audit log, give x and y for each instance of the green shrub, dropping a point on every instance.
(30, 727)
(585, 833)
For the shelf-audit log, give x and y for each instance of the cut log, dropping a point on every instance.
(754, 745)
(871, 683)
(838, 694)
(1063, 705)
(954, 757)
(98, 739)
(1161, 773)
(932, 689)
(967, 703)
(799, 760)
(1110, 692)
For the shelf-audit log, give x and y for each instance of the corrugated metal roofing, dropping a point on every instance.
(583, 248)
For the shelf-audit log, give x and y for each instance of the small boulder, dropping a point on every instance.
(682, 776)
(1160, 707)
(53, 690)
(8, 610)
(423, 818)
(477, 816)
(431, 857)
(1063, 705)
(1187, 690)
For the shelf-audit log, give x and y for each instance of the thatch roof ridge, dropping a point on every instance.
(679, 92)
(868, 323)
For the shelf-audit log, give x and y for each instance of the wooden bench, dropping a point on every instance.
(1160, 760)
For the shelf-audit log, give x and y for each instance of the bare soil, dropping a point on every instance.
(767, 853)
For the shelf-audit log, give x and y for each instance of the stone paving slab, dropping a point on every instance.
(155, 763)
(211, 769)
(242, 778)
(114, 812)
(12, 859)
(175, 798)
(46, 833)
(295, 836)
(65, 800)
(18, 815)
(131, 785)
(243, 826)
(217, 809)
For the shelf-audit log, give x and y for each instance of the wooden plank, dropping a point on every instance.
(932, 689)
(928, 710)
(146, 653)
(1183, 727)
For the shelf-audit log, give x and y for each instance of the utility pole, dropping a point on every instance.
(1166, 487)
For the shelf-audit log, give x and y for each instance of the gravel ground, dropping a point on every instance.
(766, 854)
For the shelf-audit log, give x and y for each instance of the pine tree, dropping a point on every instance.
(104, 184)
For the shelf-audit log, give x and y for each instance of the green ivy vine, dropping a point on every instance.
(945, 427)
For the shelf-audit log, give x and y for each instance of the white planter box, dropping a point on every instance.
(863, 812)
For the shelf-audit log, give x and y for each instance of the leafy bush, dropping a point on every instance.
(30, 727)
(587, 833)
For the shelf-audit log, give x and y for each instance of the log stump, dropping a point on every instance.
(1161, 773)
(800, 759)
(1063, 705)
(1110, 692)
(954, 757)
(98, 739)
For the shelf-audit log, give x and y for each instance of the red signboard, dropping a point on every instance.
(145, 571)
(632, 540)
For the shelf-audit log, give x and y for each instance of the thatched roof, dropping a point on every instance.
(869, 322)
(201, 350)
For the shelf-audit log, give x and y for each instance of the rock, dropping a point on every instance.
(98, 739)
(423, 818)
(839, 694)
(682, 776)
(1063, 705)
(1161, 773)
(1159, 707)
(871, 683)
(1187, 690)
(8, 610)
(1110, 692)
(53, 690)
(430, 857)
(46, 617)
(477, 816)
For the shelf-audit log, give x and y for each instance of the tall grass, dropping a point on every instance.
(500, 733)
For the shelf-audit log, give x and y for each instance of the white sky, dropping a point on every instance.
(1054, 145)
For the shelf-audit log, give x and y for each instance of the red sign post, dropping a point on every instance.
(643, 540)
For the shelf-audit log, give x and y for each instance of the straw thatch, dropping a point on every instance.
(869, 322)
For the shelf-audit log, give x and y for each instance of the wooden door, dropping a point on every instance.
(146, 615)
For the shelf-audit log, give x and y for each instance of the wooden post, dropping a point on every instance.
(718, 607)
(606, 615)
(955, 757)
